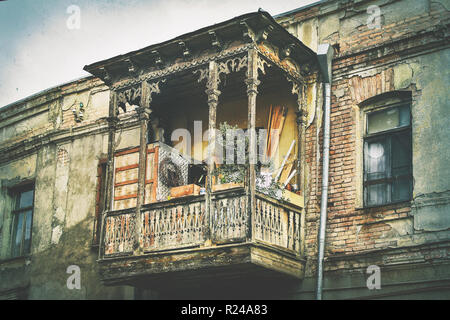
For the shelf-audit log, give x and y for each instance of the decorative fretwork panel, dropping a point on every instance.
(277, 225)
(119, 233)
(229, 218)
(173, 227)
(128, 97)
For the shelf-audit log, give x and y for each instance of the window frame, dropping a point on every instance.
(16, 192)
(387, 136)
(100, 200)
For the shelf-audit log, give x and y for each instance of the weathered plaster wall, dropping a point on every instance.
(64, 174)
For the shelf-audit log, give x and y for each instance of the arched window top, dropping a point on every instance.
(386, 99)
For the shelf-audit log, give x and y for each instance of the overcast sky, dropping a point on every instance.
(41, 46)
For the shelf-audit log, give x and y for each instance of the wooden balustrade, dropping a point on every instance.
(174, 226)
(182, 223)
(276, 224)
(229, 217)
(119, 232)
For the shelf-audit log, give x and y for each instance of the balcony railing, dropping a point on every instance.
(119, 232)
(276, 224)
(183, 223)
(170, 225)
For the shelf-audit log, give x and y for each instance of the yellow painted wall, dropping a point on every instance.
(236, 113)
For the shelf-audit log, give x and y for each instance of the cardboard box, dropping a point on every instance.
(181, 191)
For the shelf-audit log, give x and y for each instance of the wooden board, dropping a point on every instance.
(226, 186)
(276, 122)
(286, 171)
(126, 165)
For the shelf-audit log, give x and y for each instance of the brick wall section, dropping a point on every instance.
(364, 38)
(350, 229)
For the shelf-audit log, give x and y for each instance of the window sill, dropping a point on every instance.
(386, 205)
(21, 259)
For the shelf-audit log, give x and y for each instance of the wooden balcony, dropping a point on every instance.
(177, 240)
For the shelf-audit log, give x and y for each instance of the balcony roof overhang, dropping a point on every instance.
(195, 48)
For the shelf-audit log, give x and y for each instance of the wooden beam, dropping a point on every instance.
(215, 42)
(144, 115)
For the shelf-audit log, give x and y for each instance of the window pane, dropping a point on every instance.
(17, 234)
(401, 190)
(377, 194)
(388, 119)
(405, 116)
(25, 199)
(29, 217)
(401, 154)
(376, 160)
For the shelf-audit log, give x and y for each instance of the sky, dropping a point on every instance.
(44, 43)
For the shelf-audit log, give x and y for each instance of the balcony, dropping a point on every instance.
(176, 240)
(249, 73)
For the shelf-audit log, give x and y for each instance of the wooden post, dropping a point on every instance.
(300, 134)
(112, 123)
(301, 158)
(252, 83)
(303, 181)
(213, 100)
(144, 115)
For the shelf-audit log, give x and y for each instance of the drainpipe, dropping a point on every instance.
(325, 56)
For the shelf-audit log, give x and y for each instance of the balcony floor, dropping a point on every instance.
(196, 265)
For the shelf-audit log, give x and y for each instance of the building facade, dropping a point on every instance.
(111, 187)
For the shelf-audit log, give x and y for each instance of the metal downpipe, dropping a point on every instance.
(324, 199)
(325, 55)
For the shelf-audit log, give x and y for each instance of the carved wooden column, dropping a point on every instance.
(144, 115)
(300, 91)
(301, 158)
(213, 99)
(252, 83)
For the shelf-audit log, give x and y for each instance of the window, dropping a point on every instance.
(387, 155)
(22, 220)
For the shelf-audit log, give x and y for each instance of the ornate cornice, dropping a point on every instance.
(182, 66)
